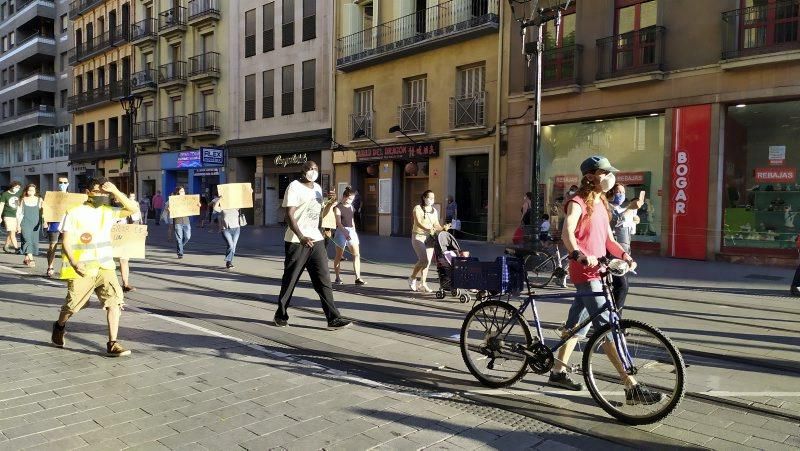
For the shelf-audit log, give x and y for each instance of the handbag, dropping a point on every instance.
(242, 220)
(455, 224)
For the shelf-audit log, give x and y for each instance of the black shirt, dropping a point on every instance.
(346, 214)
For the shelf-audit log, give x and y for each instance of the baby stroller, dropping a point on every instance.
(445, 250)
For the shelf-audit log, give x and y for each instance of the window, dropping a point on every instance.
(3, 11)
(288, 23)
(287, 90)
(64, 23)
(362, 112)
(468, 107)
(309, 82)
(12, 37)
(5, 110)
(635, 43)
(268, 94)
(471, 81)
(5, 43)
(11, 108)
(11, 74)
(62, 62)
(249, 33)
(249, 98)
(413, 111)
(309, 19)
(63, 98)
(4, 77)
(269, 27)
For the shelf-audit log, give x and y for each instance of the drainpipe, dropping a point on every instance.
(496, 226)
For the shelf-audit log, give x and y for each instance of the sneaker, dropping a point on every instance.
(58, 335)
(795, 291)
(412, 283)
(425, 288)
(229, 265)
(338, 281)
(180, 256)
(564, 380)
(280, 322)
(360, 282)
(639, 395)
(116, 350)
(338, 323)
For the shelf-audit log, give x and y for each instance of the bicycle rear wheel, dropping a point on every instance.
(493, 340)
(540, 267)
(658, 369)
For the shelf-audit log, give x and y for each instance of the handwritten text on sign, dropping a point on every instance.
(182, 206)
(56, 204)
(235, 195)
(128, 240)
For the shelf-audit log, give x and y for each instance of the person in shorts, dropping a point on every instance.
(9, 201)
(346, 236)
(88, 262)
(54, 232)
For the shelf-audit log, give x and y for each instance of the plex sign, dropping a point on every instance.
(401, 152)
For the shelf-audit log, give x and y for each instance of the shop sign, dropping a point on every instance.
(296, 159)
(689, 185)
(631, 178)
(401, 152)
(206, 171)
(189, 159)
(80, 168)
(212, 155)
(777, 155)
(564, 180)
(776, 175)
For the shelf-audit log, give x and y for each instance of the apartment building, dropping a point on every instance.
(34, 87)
(698, 103)
(280, 114)
(181, 70)
(418, 96)
(102, 68)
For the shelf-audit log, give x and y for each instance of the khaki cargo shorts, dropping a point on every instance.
(104, 285)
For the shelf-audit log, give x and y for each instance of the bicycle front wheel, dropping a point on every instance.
(540, 267)
(494, 339)
(658, 370)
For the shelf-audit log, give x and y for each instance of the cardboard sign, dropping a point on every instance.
(235, 195)
(127, 240)
(56, 204)
(182, 206)
(329, 220)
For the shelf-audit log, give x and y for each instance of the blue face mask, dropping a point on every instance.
(618, 199)
(63, 186)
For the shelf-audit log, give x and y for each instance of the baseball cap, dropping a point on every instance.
(596, 162)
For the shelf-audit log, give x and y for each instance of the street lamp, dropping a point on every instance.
(131, 105)
(396, 128)
(361, 134)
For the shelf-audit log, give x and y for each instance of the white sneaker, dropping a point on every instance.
(425, 288)
(412, 283)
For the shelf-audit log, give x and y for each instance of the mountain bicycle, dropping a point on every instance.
(498, 349)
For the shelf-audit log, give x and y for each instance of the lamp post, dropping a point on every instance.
(131, 105)
(360, 133)
(396, 128)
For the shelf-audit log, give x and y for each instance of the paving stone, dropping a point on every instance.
(271, 425)
(122, 417)
(61, 445)
(720, 444)
(23, 442)
(228, 440)
(269, 441)
(428, 437)
(184, 438)
(359, 441)
(741, 417)
(72, 430)
(309, 427)
(782, 426)
(472, 438)
(108, 433)
(767, 445)
(711, 420)
(516, 440)
(33, 428)
(682, 434)
(147, 435)
(729, 434)
(760, 432)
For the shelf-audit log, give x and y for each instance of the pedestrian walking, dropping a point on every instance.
(29, 218)
(623, 225)
(9, 201)
(144, 209)
(124, 263)
(305, 248)
(357, 209)
(795, 288)
(54, 232)
(203, 211)
(182, 226)
(346, 236)
(158, 206)
(426, 225)
(587, 235)
(215, 209)
(231, 223)
(88, 263)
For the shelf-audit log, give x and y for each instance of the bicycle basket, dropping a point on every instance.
(504, 275)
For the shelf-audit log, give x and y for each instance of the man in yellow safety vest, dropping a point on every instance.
(87, 259)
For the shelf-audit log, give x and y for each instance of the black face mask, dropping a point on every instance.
(99, 200)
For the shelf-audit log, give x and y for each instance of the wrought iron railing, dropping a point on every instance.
(103, 148)
(78, 7)
(560, 66)
(174, 126)
(204, 122)
(362, 121)
(413, 117)
(89, 98)
(768, 28)
(146, 28)
(629, 53)
(468, 110)
(200, 8)
(448, 18)
(173, 17)
(144, 79)
(207, 63)
(175, 71)
(101, 43)
(145, 130)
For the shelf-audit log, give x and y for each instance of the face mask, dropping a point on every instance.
(15, 190)
(349, 201)
(608, 182)
(618, 199)
(312, 175)
(99, 200)
(428, 202)
(63, 187)
(571, 193)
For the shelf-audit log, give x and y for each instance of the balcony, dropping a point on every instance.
(632, 53)
(756, 32)
(468, 111)
(34, 47)
(172, 22)
(37, 81)
(98, 150)
(441, 25)
(144, 32)
(78, 7)
(145, 132)
(99, 44)
(172, 75)
(144, 81)
(172, 129)
(361, 121)
(205, 67)
(120, 89)
(41, 8)
(30, 117)
(561, 70)
(413, 117)
(90, 98)
(205, 124)
(203, 12)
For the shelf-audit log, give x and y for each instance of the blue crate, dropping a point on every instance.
(504, 275)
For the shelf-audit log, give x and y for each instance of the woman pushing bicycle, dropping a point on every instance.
(588, 237)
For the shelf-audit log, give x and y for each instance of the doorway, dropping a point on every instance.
(472, 195)
(412, 195)
(369, 206)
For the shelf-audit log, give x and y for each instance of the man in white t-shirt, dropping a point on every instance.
(305, 247)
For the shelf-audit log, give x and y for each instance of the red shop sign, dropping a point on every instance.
(564, 179)
(688, 199)
(776, 175)
(630, 178)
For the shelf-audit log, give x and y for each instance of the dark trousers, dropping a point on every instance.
(619, 288)
(157, 212)
(315, 259)
(796, 280)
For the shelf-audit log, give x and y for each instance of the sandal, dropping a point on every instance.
(50, 272)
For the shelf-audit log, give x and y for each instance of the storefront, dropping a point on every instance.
(635, 145)
(199, 171)
(279, 171)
